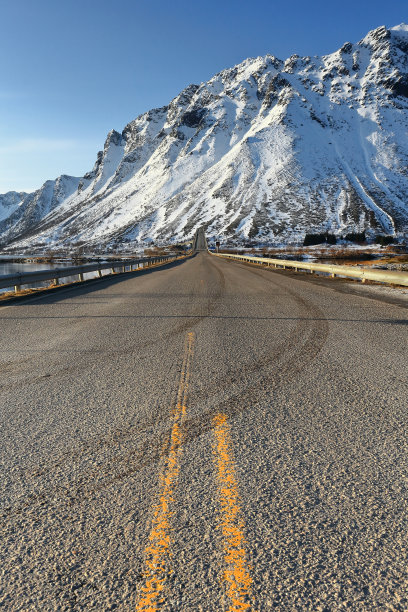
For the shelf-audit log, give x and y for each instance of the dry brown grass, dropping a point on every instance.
(155, 251)
(344, 253)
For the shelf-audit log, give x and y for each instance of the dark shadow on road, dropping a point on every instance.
(226, 317)
(63, 292)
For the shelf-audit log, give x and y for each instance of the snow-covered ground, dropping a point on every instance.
(267, 151)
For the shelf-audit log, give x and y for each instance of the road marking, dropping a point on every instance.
(236, 573)
(157, 552)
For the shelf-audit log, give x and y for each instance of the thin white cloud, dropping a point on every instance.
(33, 145)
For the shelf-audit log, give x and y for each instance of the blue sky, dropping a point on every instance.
(72, 70)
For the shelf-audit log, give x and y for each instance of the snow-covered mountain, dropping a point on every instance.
(267, 150)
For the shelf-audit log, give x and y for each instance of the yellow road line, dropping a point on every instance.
(236, 573)
(158, 553)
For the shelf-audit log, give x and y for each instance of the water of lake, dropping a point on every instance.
(12, 268)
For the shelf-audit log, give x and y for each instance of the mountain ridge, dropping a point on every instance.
(266, 150)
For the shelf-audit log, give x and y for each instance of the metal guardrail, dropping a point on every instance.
(364, 274)
(28, 278)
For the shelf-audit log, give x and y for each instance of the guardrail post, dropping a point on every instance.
(112, 270)
(55, 281)
(99, 272)
(17, 288)
(81, 277)
(364, 274)
(123, 268)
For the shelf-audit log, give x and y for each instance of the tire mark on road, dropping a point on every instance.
(273, 369)
(94, 356)
(158, 551)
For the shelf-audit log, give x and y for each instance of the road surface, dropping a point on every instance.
(211, 436)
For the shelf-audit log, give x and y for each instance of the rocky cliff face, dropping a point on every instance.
(267, 150)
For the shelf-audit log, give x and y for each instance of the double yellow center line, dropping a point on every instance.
(236, 573)
(158, 551)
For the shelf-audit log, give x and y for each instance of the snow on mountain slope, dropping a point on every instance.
(9, 203)
(267, 150)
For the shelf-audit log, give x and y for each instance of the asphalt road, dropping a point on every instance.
(210, 436)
